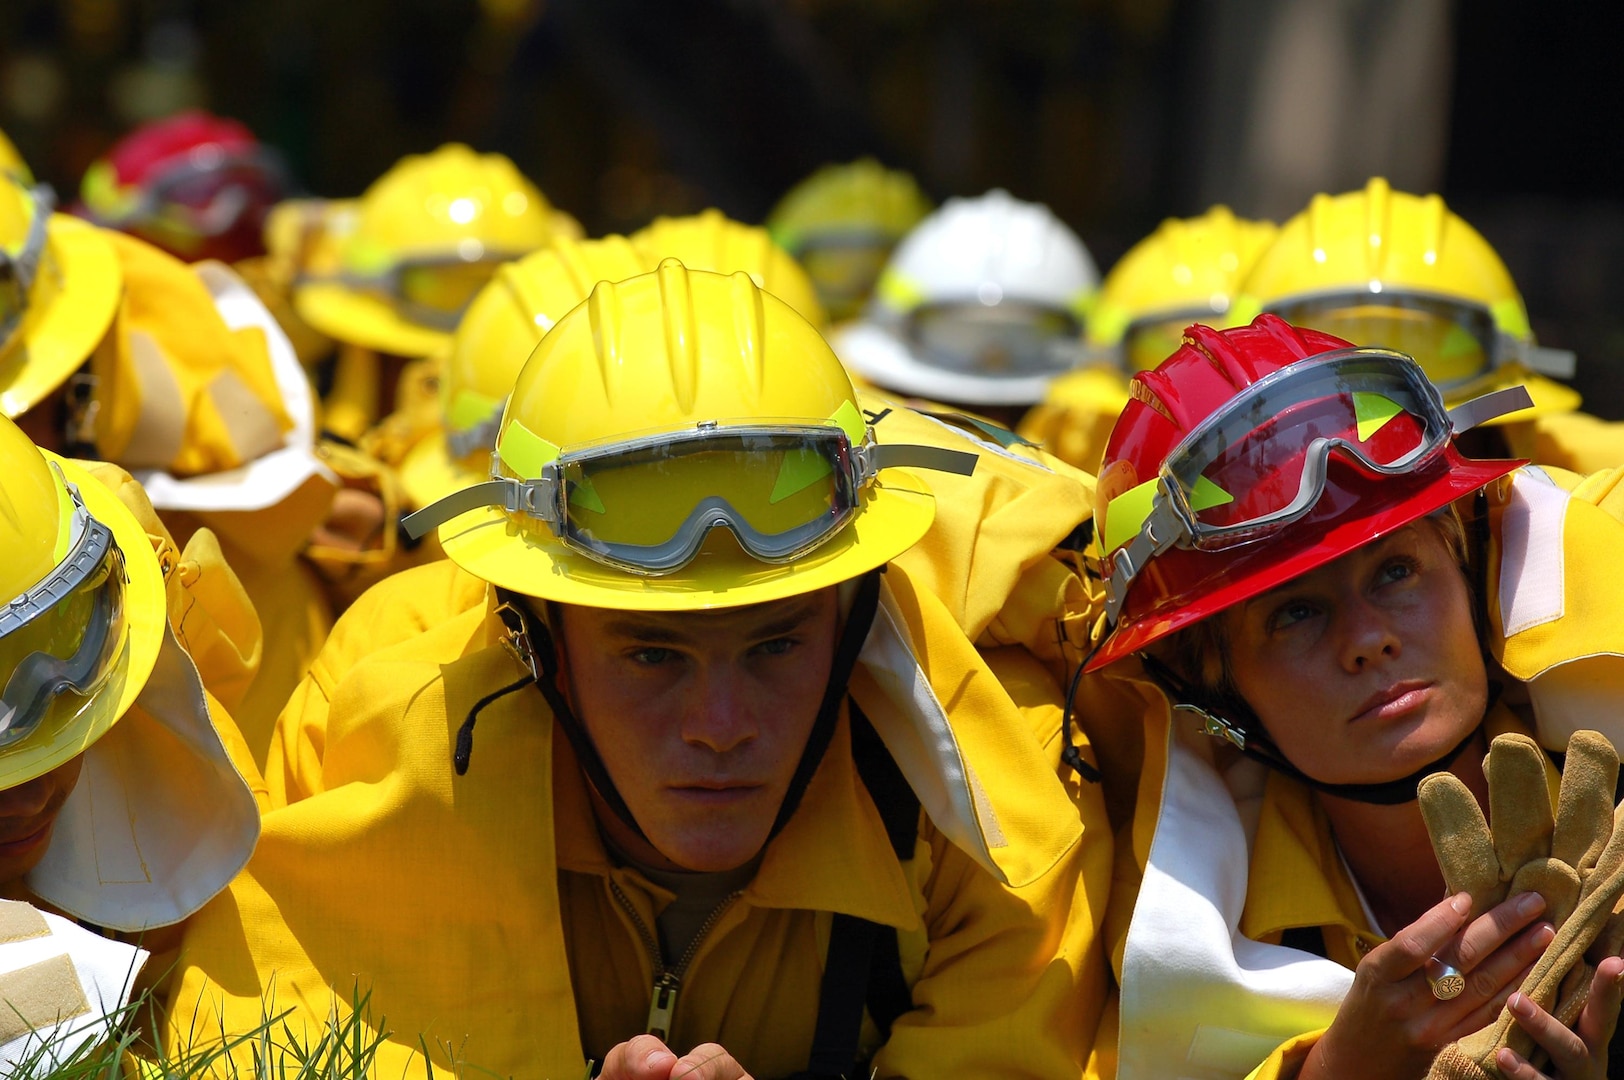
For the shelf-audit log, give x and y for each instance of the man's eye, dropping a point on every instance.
(776, 647)
(653, 656)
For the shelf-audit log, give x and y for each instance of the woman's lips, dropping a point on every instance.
(1395, 701)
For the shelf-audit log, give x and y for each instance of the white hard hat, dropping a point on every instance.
(983, 303)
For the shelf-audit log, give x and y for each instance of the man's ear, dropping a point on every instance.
(551, 616)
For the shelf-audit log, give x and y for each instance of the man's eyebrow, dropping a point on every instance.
(664, 634)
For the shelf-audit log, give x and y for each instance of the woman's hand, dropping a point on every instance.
(1391, 1024)
(1578, 1054)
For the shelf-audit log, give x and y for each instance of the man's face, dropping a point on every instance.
(700, 718)
(28, 813)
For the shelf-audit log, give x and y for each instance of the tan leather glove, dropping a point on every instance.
(1574, 859)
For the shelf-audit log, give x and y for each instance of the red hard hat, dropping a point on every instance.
(195, 184)
(1258, 470)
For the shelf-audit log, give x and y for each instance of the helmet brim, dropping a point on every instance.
(146, 609)
(358, 318)
(1232, 579)
(884, 359)
(69, 322)
(897, 512)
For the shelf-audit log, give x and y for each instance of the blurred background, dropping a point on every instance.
(1116, 113)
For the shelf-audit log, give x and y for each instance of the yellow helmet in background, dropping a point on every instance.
(422, 240)
(1188, 270)
(82, 609)
(667, 410)
(502, 326)
(1383, 267)
(712, 241)
(13, 163)
(841, 223)
(59, 289)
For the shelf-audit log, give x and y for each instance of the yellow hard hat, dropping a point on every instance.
(1383, 267)
(423, 239)
(83, 613)
(1188, 270)
(13, 163)
(497, 334)
(58, 292)
(667, 412)
(841, 223)
(712, 241)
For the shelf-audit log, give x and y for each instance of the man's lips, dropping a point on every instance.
(715, 791)
(1393, 701)
(25, 842)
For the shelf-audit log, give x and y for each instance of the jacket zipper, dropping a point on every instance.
(667, 981)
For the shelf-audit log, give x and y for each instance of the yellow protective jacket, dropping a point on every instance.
(480, 912)
(1574, 441)
(1221, 857)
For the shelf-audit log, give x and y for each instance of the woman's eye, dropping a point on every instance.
(1291, 613)
(1398, 570)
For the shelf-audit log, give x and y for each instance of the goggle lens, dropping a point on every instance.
(997, 339)
(775, 492)
(1453, 343)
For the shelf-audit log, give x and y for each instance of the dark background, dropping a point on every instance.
(1116, 113)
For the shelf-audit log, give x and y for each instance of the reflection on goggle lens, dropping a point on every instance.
(1453, 342)
(996, 339)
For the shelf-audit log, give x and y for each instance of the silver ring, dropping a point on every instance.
(1449, 983)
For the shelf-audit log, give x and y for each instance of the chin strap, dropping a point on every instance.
(1239, 726)
(530, 640)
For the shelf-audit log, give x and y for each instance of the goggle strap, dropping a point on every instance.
(481, 436)
(490, 493)
(911, 456)
(1480, 410)
(1557, 363)
(1162, 530)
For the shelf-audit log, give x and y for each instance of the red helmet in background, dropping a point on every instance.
(197, 185)
(1254, 455)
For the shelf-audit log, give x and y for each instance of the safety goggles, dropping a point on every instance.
(432, 291)
(62, 640)
(20, 268)
(209, 192)
(1005, 338)
(1260, 462)
(646, 505)
(1455, 342)
(845, 264)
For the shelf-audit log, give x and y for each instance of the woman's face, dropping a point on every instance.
(1367, 669)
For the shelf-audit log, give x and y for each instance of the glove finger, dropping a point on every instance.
(1584, 817)
(1519, 802)
(1461, 839)
(1556, 881)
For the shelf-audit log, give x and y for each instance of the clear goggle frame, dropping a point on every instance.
(65, 635)
(1273, 442)
(646, 505)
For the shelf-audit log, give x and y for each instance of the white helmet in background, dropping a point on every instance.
(982, 304)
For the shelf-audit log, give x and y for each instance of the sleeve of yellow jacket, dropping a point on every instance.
(1002, 992)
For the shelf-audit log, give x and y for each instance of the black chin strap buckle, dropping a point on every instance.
(1214, 725)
